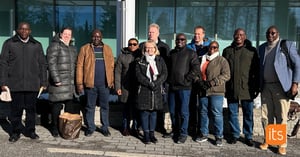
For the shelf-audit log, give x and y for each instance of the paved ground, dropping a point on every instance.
(118, 145)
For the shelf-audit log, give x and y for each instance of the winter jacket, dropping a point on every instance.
(244, 69)
(85, 69)
(23, 66)
(183, 68)
(285, 74)
(148, 99)
(217, 73)
(61, 59)
(125, 78)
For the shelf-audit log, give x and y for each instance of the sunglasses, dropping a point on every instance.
(180, 39)
(213, 47)
(132, 44)
(272, 33)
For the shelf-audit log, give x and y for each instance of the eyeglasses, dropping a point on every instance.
(213, 47)
(180, 39)
(132, 44)
(272, 33)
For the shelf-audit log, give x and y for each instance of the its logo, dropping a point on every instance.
(275, 134)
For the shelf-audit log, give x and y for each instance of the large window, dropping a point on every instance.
(47, 18)
(220, 18)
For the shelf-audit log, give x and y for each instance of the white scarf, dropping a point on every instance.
(152, 63)
(207, 57)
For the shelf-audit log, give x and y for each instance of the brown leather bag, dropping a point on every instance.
(70, 125)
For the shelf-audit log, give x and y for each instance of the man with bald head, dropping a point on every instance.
(95, 77)
(23, 82)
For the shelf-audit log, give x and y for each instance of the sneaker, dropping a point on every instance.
(181, 139)
(264, 146)
(282, 150)
(219, 142)
(249, 142)
(201, 139)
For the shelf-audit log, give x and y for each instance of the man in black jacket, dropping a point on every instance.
(183, 68)
(23, 71)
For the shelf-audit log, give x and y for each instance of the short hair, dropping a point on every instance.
(135, 39)
(200, 27)
(64, 28)
(154, 25)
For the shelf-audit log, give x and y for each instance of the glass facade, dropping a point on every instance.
(219, 17)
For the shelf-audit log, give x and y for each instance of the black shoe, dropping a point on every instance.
(34, 136)
(153, 139)
(146, 138)
(88, 133)
(105, 133)
(249, 142)
(168, 135)
(181, 139)
(233, 140)
(14, 138)
(54, 133)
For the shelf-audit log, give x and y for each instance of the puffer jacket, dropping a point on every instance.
(244, 69)
(23, 66)
(146, 98)
(125, 78)
(61, 60)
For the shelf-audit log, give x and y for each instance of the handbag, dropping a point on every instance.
(70, 125)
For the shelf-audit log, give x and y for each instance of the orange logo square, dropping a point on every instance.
(275, 134)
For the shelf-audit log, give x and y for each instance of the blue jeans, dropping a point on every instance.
(211, 105)
(179, 104)
(100, 93)
(148, 120)
(233, 114)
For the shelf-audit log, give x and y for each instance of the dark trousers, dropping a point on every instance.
(70, 106)
(23, 101)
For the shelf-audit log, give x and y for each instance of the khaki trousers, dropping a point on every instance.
(275, 105)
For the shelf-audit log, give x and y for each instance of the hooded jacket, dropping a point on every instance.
(61, 59)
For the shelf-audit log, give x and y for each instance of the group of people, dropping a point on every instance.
(189, 81)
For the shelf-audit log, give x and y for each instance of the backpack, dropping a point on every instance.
(284, 49)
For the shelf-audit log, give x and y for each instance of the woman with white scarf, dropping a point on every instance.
(214, 73)
(151, 72)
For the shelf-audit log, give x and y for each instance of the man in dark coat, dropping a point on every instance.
(183, 68)
(243, 85)
(23, 71)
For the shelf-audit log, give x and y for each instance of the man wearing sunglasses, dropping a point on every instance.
(183, 68)
(277, 78)
(243, 85)
(126, 85)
